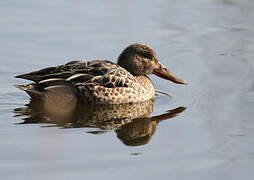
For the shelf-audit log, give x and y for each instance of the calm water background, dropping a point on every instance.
(207, 42)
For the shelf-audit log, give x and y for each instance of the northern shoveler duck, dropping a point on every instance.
(101, 81)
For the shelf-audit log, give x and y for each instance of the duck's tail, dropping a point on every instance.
(31, 91)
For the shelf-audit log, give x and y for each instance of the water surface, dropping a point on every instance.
(207, 42)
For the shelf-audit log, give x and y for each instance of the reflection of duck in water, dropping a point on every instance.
(141, 130)
(130, 121)
(101, 82)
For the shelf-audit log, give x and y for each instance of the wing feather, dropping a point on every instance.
(100, 72)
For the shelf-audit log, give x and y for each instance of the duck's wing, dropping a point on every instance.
(98, 72)
(117, 77)
(93, 68)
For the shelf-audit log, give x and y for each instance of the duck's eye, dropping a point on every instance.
(147, 55)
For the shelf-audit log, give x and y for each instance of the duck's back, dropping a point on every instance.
(93, 68)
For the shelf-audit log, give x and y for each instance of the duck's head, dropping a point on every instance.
(140, 59)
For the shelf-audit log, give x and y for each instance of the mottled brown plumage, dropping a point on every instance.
(101, 81)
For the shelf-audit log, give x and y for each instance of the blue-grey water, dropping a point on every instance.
(207, 42)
